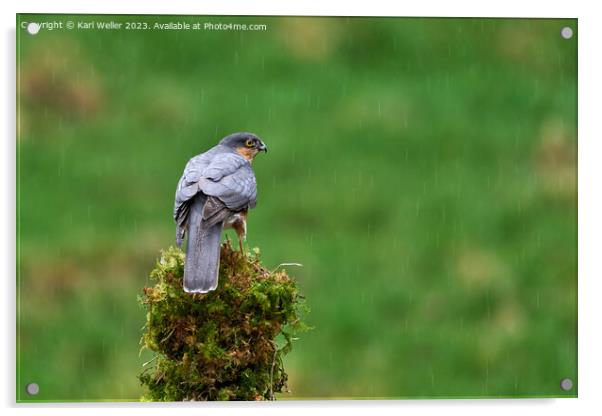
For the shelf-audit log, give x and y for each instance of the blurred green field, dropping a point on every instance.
(423, 171)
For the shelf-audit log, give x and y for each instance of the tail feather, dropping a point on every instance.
(202, 251)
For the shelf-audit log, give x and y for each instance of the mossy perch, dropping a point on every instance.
(227, 344)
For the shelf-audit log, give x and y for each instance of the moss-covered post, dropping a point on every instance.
(224, 345)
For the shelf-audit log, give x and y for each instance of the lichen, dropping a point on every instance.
(227, 344)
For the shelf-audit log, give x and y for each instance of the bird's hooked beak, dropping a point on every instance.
(262, 147)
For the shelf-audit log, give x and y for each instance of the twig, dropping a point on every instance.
(150, 361)
(286, 264)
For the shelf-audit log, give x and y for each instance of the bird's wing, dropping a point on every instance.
(187, 188)
(224, 175)
(230, 179)
(188, 184)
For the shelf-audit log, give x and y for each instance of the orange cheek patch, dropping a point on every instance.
(247, 152)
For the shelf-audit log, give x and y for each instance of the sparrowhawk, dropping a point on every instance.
(215, 192)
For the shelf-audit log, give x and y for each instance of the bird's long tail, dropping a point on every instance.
(202, 251)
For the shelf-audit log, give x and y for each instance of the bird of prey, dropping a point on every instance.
(215, 192)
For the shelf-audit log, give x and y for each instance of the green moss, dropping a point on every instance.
(224, 345)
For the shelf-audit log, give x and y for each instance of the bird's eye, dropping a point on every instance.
(249, 143)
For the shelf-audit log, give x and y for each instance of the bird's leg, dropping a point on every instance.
(242, 250)
(240, 226)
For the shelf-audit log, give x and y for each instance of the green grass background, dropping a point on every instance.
(423, 171)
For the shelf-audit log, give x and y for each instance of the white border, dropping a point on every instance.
(590, 207)
(508, 8)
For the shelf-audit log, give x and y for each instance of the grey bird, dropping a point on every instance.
(215, 192)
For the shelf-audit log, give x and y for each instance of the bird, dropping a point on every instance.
(215, 192)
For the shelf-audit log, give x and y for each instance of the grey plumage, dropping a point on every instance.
(216, 187)
(199, 268)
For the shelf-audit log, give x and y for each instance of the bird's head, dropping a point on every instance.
(245, 144)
